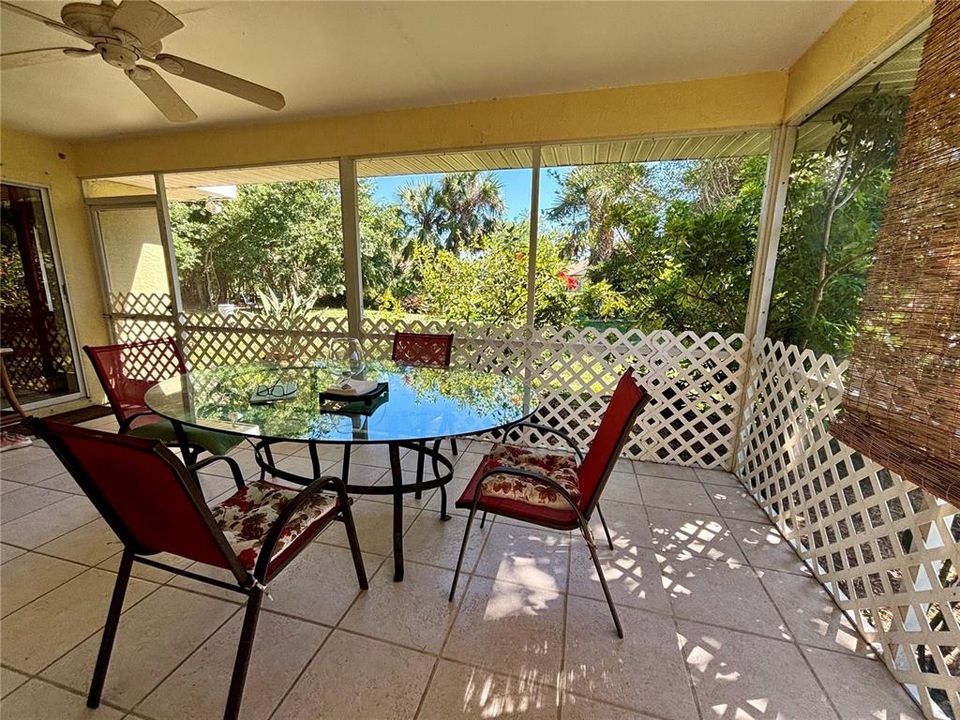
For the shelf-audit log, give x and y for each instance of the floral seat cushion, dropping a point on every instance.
(560, 468)
(247, 516)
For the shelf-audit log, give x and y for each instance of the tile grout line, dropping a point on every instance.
(332, 629)
(793, 641)
(759, 572)
(456, 615)
(55, 587)
(470, 578)
(189, 655)
(199, 591)
(307, 664)
(689, 673)
(66, 688)
(38, 675)
(18, 518)
(346, 612)
(793, 636)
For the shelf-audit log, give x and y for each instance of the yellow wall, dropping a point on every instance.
(29, 159)
(864, 35)
(688, 107)
(133, 248)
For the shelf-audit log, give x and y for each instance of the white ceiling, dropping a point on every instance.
(347, 57)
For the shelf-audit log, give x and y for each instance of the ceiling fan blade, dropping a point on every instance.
(145, 20)
(49, 22)
(25, 58)
(221, 81)
(161, 94)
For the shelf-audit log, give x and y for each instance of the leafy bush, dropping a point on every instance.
(488, 283)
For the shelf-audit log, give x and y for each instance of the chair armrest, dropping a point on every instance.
(273, 535)
(234, 468)
(528, 476)
(547, 429)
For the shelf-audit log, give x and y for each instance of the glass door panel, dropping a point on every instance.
(43, 365)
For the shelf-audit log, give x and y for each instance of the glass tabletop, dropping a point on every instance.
(419, 403)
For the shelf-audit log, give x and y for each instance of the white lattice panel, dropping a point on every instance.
(694, 381)
(886, 550)
(210, 339)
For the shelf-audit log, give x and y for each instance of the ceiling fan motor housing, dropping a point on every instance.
(88, 19)
(118, 55)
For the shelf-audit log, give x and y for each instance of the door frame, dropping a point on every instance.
(65, 297)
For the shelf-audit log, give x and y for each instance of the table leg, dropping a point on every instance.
(419, 493)
(315, 461)
(345, 468)
(397, 512)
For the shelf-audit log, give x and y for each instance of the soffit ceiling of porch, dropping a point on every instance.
(896, 75)
(198, 185)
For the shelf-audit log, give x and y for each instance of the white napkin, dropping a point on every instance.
(353, 388)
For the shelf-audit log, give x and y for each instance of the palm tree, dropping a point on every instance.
(422, 214)
(587, 201)
(472, 205)
(454, 214)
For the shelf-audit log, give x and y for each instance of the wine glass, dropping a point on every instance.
(345, 359)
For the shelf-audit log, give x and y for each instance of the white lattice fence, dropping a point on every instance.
(210, 339)
(694, 381)
(885, 549)
(141, 316)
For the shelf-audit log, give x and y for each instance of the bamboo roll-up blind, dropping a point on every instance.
(901, 406)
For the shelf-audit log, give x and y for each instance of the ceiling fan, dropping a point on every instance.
(127, 35)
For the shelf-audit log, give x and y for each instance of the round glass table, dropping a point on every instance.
(419, 407)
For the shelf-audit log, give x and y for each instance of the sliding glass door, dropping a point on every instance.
(35, 317)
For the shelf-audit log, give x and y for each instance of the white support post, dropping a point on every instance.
(351, 245)
(768, 240)
(170, 255)
(764, 263)
(534, 230)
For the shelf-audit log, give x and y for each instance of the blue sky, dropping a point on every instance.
(514, 183)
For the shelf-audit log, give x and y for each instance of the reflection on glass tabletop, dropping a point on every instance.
(419, 404)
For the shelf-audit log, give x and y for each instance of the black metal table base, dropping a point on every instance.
(397, 488)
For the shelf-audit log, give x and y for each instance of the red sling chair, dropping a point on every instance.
(127, 371)
(555, 491)
(153, 504)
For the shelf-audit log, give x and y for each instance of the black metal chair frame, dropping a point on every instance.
(253, 585)
(582, 522)
(442, 474)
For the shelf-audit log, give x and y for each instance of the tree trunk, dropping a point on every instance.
(821, 286)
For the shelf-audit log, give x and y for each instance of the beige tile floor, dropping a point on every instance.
(721, 619)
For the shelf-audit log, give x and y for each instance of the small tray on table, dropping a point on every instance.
(364, 404)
